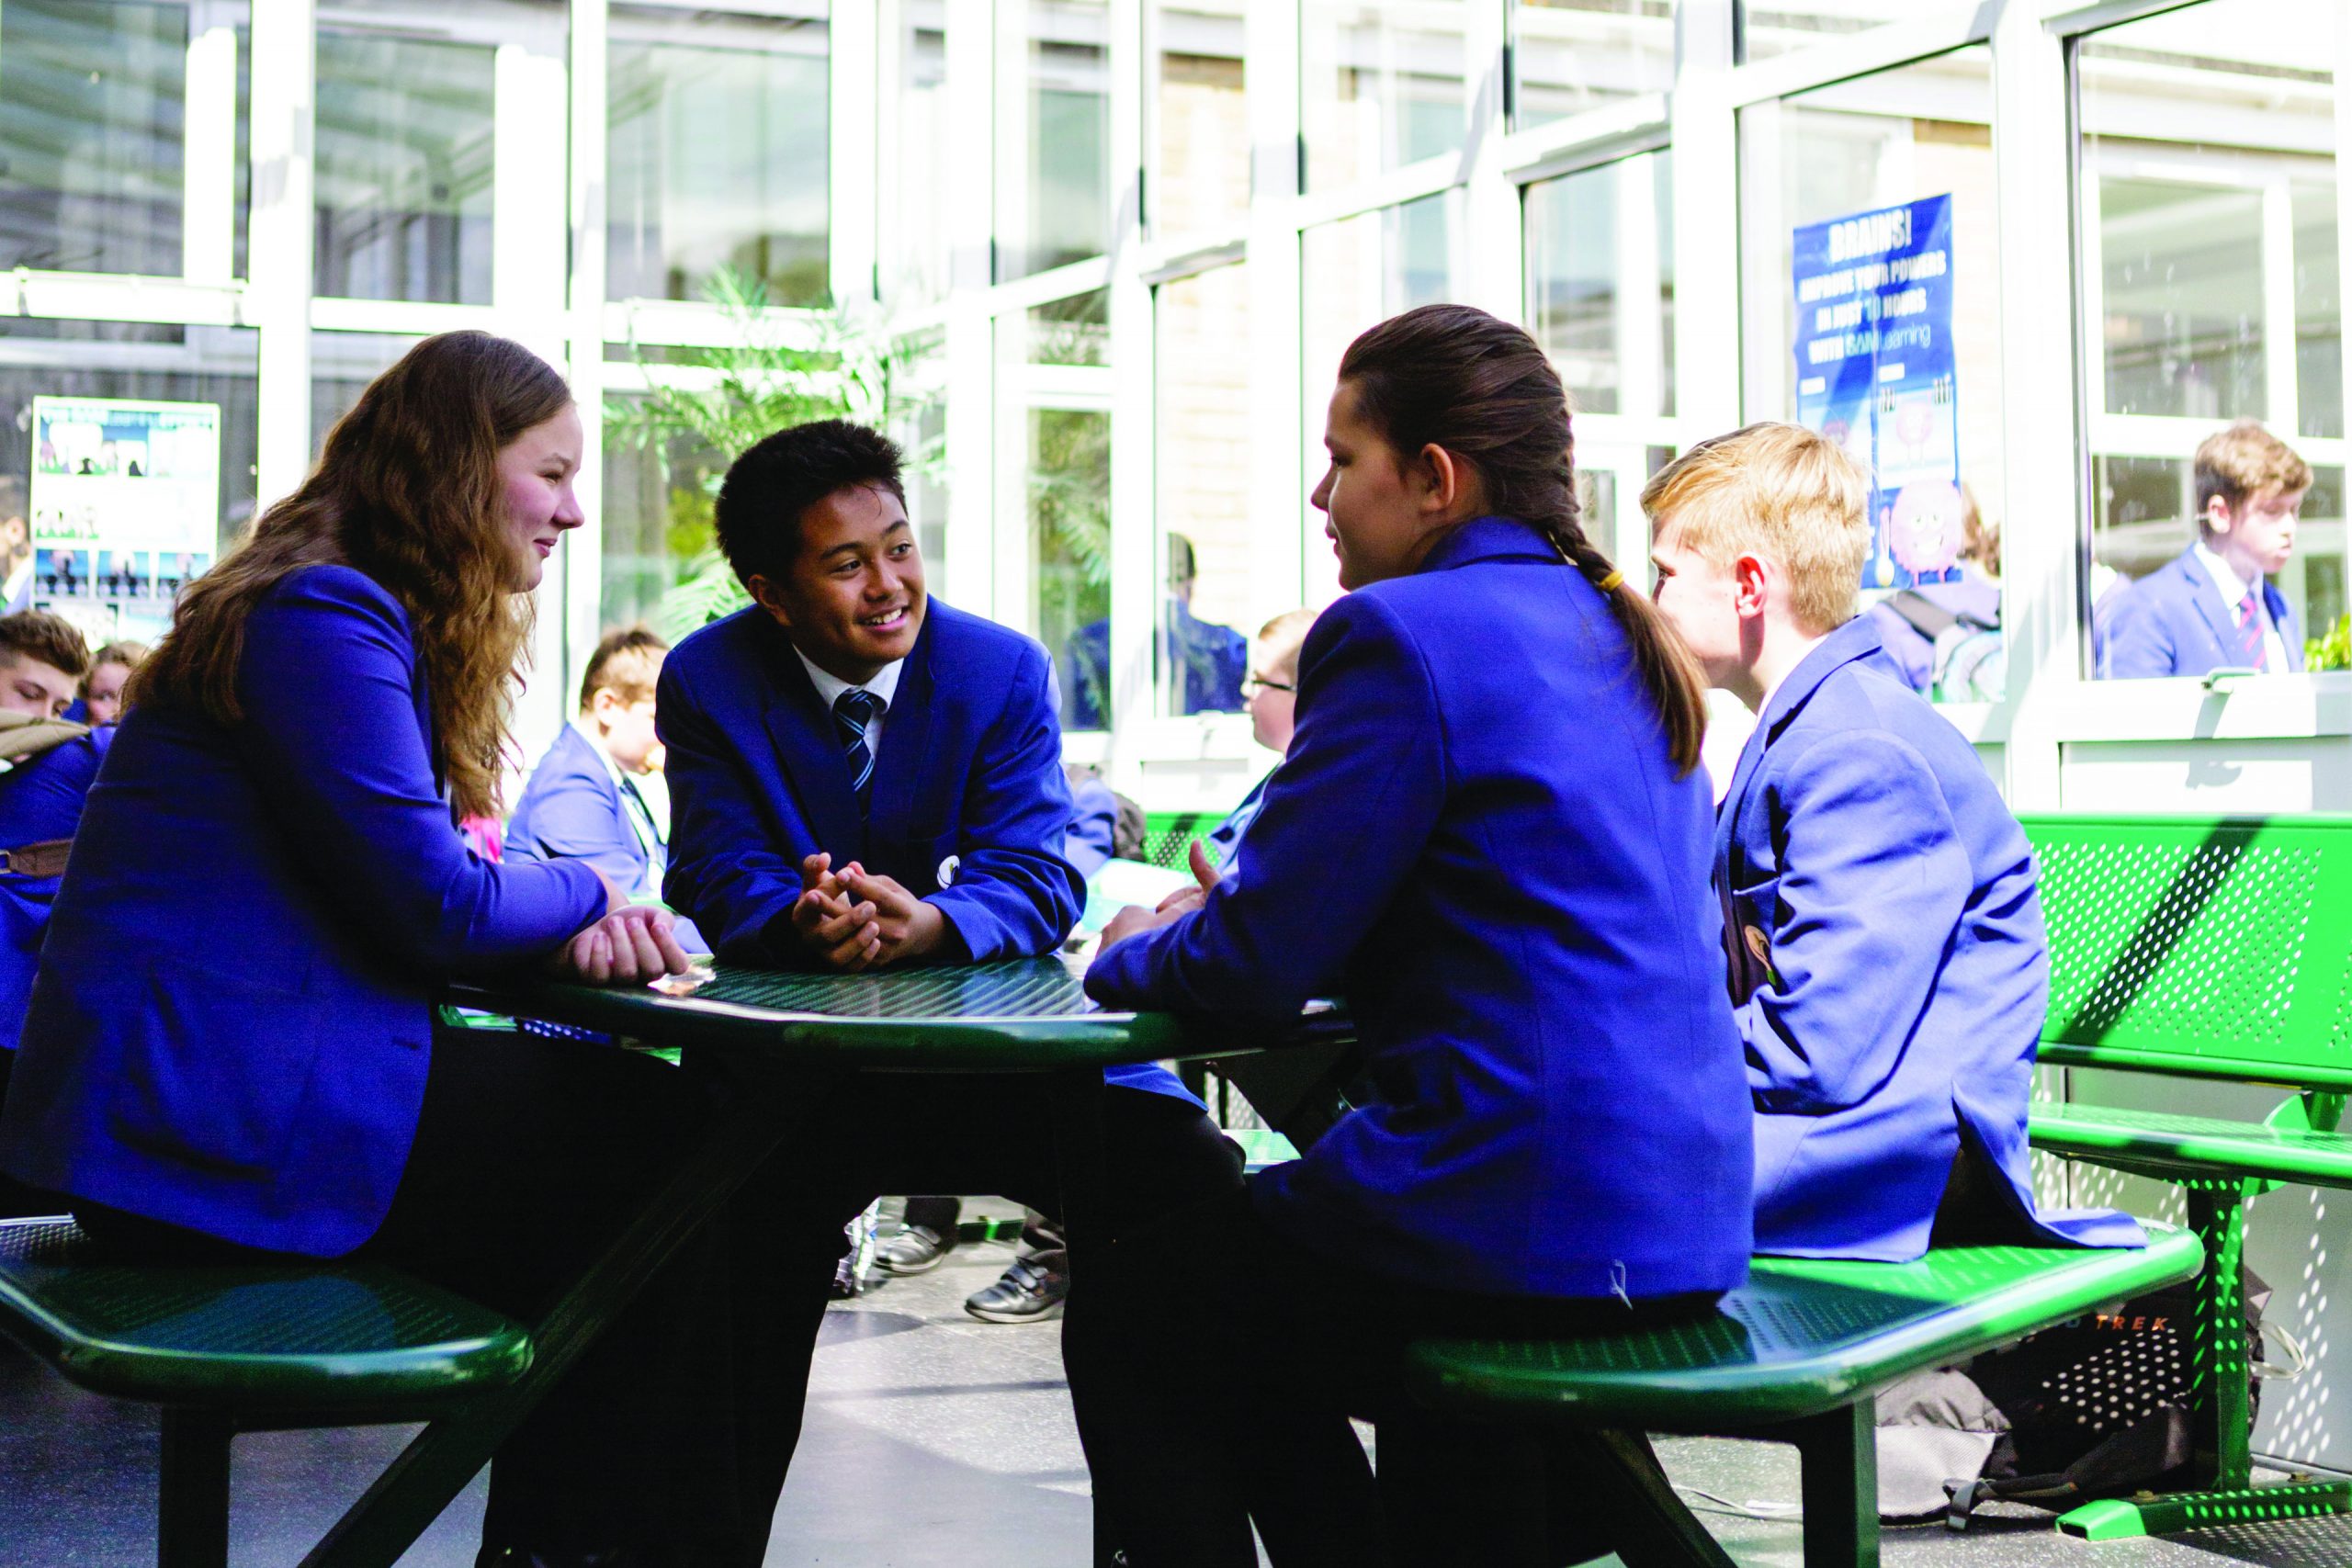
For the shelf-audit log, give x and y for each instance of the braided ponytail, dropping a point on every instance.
(1454, 376)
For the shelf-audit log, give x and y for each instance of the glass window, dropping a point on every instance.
(185, 437)
(1379, 85)
(1601, 282)
(2210, 243)
(1363, 270)
(341, 363)
(1572, 55)
(404, 141)
(716, 152)
(1201, 178)
(917, 251)
(1075, 331)
(1870, 211)
(91, 103)
(1053, 185)
(1063, 472)
(656, 513)
(1355, 273)
(1215, 566)
(1776, 27)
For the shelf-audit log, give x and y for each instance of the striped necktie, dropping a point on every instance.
(2250, 645)
(853, 713)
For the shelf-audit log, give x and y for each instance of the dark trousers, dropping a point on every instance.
(1238, 1357)
(529, 1156)
(16, 1199)
(969, 1135)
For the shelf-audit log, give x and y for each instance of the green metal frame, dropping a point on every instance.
(2211, 949)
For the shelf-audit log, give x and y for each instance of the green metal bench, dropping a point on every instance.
(1797, 1356)
(2205, 949)
(242, 1349)
(1167, 835)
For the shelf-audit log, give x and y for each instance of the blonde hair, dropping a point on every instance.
(1280, 639)
(2243, 460)
(1780, 490)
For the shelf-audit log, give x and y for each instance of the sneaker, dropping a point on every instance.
(912, 1251)
(1027, 1293)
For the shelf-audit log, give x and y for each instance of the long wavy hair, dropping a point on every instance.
(407, 490)
(1454, 376)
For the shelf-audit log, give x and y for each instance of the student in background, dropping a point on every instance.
(231, 1052)
(110, 670)
(584, 800)
(1204, 659)
(2214, 606)
(1272, 687)
(50, 764)
(1888, 969)
(1490, 835)
(16, 547)
(864, 777)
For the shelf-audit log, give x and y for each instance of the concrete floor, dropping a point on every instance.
(932, 1441)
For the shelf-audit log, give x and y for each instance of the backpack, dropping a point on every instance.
(1969, 663)
(2098, 1408)
(24, 737)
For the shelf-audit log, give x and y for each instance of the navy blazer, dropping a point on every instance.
(40, 800)
(1479, 838)
(232, 1024)
(2171, 621)
(970, 809)
(1093, 825)
(572, 809)
(1888, 967)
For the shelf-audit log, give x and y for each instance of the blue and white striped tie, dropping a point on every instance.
(854, 713)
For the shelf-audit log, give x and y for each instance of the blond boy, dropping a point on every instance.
(1887, 965)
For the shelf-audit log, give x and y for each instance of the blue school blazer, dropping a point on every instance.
(572, 809)
(970, 809)
(2171, 621)
(1888, 968)
(232, 1020)
(1478, 836)
(40, 800)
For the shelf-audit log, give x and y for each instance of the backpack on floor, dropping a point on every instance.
(2098, 1408)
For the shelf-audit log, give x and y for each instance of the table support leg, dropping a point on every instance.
(192, 1494)
(448, 1453)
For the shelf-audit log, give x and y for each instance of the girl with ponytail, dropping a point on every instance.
(1490, 837)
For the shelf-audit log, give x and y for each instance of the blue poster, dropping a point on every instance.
(1874, 374)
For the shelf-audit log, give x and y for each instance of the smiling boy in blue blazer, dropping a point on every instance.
(1888, 968)
(864, 777)
(2213, 605)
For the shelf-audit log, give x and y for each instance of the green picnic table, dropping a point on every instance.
(222, 1357)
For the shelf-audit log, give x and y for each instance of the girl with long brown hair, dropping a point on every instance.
(230, 1048)
(1489, 836)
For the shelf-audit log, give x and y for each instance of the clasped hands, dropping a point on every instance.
(1135, 920)
(632, 944)
(855, 919)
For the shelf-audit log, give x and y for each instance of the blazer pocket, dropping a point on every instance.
(214, 1067)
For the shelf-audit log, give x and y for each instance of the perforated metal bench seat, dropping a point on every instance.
(1803, 1337)
(2194, 1146)
(331, 1336)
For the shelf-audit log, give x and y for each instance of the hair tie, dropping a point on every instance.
(1610, 583)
